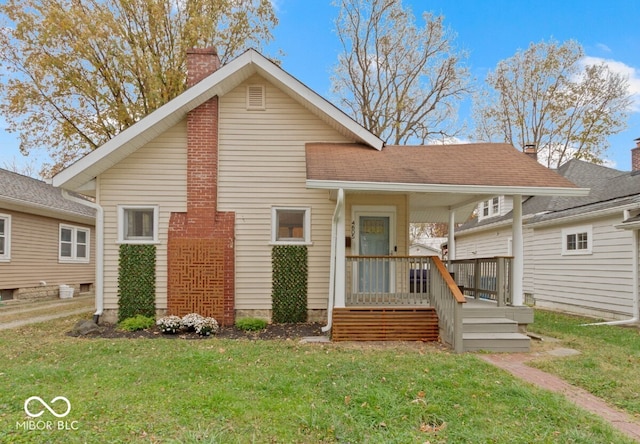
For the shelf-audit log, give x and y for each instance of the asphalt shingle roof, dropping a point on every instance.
(488, 164)
(36, 193)
(609, 188)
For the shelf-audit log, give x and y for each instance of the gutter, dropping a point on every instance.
(99, 284)
(334, 257)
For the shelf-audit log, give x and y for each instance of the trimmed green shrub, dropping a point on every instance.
(251, 324)
(136, 281)
(289, 285)
(136, 323)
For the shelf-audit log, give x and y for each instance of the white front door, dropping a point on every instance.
(374, 236)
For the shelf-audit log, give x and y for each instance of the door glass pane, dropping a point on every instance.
(373, 274)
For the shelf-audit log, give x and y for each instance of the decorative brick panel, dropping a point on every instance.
(197, 279)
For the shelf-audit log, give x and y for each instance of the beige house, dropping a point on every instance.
(45, 240)
(249, 158)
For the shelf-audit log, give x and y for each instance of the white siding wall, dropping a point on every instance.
(597, 284)
(262, 164)
(153, 175)
(487, 243)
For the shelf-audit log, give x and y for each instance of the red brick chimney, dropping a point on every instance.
(200, 63)
(201, 258)
(531, 150)
(635, 156)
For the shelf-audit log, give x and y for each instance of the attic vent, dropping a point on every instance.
(255, 97)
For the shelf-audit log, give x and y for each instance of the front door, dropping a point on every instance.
(374, 238)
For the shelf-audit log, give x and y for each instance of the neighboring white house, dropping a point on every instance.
(580, 253)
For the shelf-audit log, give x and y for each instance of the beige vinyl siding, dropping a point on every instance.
(153, 175)
(262, 164)
(598, 284)
(35, 254)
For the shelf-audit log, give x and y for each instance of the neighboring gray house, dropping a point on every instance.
(580, 253)
(45, 240)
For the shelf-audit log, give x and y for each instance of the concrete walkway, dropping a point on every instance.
(15, 314)
(515, 363)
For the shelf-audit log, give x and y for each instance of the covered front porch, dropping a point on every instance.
(376, 286)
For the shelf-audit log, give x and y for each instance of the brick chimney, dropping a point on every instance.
(200, 251)
(635, 156)
(200, 63)
(531, 150)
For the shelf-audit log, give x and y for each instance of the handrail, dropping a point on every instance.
(455, 290)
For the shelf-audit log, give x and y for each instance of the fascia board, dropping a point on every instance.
(446, 188)
(583, 216)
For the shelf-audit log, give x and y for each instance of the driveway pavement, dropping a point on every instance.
(18, 313)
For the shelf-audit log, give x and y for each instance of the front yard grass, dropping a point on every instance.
(241, 391)
(609, 363)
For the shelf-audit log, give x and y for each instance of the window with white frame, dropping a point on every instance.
(490, 208)
(74, 244)
(138, 224)
(5, 237)
(577, 240)
(290, 225)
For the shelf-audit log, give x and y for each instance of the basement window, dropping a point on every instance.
(256, 98)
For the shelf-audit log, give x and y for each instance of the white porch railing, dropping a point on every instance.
(387, 280)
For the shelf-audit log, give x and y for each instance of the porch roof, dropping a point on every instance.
(438, 178)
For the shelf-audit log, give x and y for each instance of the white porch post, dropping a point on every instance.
(451, 243)
(340, 260)
(518, 253)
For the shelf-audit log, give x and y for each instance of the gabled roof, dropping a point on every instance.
(609, 189)
(25, 194)
(217, 84)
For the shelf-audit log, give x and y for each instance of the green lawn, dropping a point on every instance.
(609, 363)
(240, 391)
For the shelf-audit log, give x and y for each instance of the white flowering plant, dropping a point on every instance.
(190, 320)
(170, 324)
(206, 326)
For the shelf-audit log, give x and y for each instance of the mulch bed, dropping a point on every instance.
(273, 331)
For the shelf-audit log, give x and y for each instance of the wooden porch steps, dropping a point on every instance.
(385, 324)
(493, 334)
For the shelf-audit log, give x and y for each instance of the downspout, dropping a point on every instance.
(636, 282)
(99, 284)
(337, 219)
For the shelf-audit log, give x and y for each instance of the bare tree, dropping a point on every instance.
(400, 81)
(545, 96)
(81, 71)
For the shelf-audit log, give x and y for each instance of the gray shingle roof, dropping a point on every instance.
(26, 191)
(610, 188)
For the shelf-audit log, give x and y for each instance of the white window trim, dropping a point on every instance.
(576, 230)
(74, 238)
(491, 212)
(307, 226)
(122, 209)
(6, 257)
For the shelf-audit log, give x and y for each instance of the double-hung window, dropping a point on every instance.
(490, 208)
(290, 225)
(5, 238)
(138, 224)
(74, 244)
(577, 240)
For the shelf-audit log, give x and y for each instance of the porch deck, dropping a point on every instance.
(415, 298)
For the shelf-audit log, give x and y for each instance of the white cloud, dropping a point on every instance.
(603, 47)
(633, 74)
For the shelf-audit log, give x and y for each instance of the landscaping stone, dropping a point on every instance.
(85, 327)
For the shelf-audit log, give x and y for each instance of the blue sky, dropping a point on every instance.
(490, 30)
